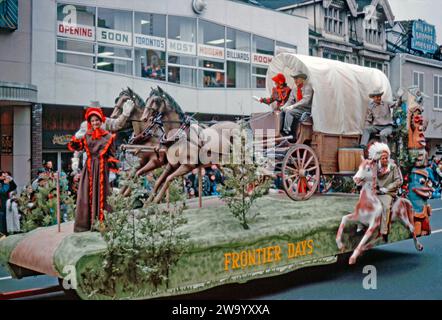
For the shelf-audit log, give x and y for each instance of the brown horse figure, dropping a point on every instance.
(185, 144)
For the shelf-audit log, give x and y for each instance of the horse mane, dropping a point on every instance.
(135, 96)
(171, 102)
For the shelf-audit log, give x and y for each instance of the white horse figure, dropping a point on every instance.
(368, 210)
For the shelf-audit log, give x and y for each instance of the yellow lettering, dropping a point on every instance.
(235, 259)
(269, 254)
(291, 250)
(310, 246)
(298, 249)
(243, 259)
(277, 253)
(252, 258)
(227, 257)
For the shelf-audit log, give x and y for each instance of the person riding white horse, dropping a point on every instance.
(378, 182)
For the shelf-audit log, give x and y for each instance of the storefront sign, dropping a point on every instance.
(424, 37)
(210, 51)
(149, 42)
(281, 49)
(56, 139)
(263, 59)
(238, 56)
(114, 36)
(6, 144)
(181, 47)
(62, 140)
(76, 31)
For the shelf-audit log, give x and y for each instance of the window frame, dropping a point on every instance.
(436, 93)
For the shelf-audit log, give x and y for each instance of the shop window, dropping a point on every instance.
(259, 77)
(150, 24)
(115, 19)
(238, 75)
(211, 73)
(238, 57)
(150, 46)
(211, 34)
(6, 138)
(263, 45)
(115, 59)
(238, 40)
(76, 22)
(115, 27)
(262, 52)
(78, 53)
(182, 28)
(418, 80)
(284, 47)
(150, 64)
(437, 89)
(182, 75)
(334, 21)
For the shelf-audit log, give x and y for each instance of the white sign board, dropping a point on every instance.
(114, 36)
(149, 42)
(262, 59)
(210, 51)
(181, 47)
(238, 56)
(76, 31)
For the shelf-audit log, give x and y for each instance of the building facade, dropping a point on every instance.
(352, 31)
(211, 56)
(18, 96)
(418, 64)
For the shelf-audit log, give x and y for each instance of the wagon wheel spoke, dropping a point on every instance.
(312, 168)
(298, 156)
(295, 182)
(309, 160)
(291, 168)
(294, 162)
(303, 158)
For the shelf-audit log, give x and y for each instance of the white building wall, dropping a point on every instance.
(65, 85)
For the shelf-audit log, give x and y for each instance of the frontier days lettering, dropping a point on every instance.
(265, 255)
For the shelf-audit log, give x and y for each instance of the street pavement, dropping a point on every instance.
(401, 273)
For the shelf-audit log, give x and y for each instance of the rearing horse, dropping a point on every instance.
(368, 211)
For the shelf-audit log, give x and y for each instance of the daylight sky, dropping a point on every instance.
(428, 10)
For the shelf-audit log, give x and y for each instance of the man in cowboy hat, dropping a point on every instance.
(378, 118)
(300, 101)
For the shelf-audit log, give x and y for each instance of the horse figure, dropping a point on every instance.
(137, 112)
(368, 211)
(185, 144)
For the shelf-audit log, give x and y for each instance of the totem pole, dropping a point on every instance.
(420, 185)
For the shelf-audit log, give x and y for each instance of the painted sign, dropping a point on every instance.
(75, 31)
(210, 51)
(149, 42)
(238, 56)
(181, 47)
(9, 14)
(281, 49)
(114, 36)
(423, 37)
(262, 59)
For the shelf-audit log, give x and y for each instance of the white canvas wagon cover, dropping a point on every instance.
(341, 90)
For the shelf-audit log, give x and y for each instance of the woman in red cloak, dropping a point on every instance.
(94, 186)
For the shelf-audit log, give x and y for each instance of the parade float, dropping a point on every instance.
(166, 247)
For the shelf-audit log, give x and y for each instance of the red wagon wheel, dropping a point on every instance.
(300, 172)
